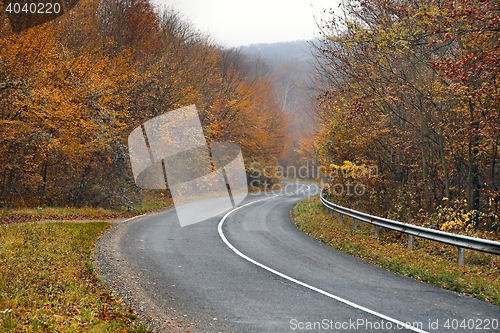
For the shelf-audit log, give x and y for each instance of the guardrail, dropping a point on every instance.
(461, 242)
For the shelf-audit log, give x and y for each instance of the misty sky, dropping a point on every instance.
(243, 22)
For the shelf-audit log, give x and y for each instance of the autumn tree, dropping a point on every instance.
(72, 90)
(413, 88)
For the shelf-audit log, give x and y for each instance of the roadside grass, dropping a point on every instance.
(150, 204)
(20, 215)
(48, 282)
(430, 262)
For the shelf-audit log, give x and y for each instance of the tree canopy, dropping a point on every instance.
(71, 90)
(412, 87)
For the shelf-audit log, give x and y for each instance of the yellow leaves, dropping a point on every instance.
(459, 226)
(350, 170)
(335, 39)
(456, 218)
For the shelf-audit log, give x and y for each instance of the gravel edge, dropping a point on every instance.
(123, 282)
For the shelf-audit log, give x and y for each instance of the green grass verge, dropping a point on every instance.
(48, 283)
(430, 262)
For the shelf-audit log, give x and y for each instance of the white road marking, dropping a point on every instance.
(400, 324)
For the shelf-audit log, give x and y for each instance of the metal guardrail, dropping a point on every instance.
(462, 242)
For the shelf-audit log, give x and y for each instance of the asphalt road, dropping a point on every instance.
(256, 272)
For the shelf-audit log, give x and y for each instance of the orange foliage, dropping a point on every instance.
(72, 89)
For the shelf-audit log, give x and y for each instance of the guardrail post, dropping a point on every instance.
(460, 256)
(410, 242)
(332, 212)
(326, 209)
(461, 242)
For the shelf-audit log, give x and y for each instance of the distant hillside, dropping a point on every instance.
(277, 53)
(290, 72)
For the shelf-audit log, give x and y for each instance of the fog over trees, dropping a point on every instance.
(291, 71)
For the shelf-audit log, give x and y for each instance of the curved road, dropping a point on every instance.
(254, 271)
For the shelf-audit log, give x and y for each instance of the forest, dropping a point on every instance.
(290, 66)
(412, 88)
(407, 88)
(72, 90)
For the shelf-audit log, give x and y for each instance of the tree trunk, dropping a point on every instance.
(425, 177)
(473, 175)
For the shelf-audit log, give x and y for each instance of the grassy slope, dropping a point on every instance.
(429, 261)
(48, 282)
